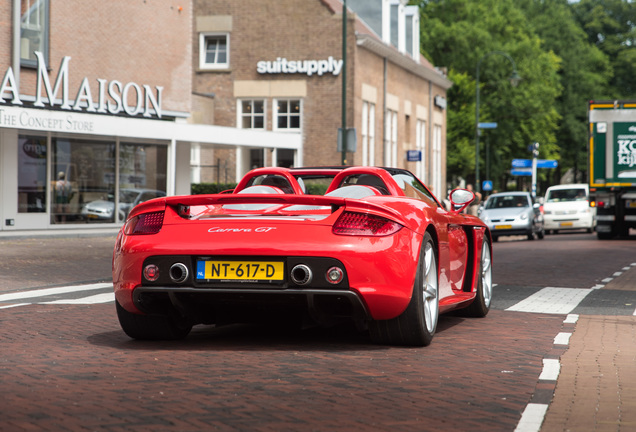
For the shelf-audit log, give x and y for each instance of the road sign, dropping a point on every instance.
(414, 155)
(521, 163)
(521, 171)
(547, 163)
(541, 163)
(487, 125)
(486, 185)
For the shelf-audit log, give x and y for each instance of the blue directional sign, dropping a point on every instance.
(547, 163)
(521, 171)
(541, 163)
(521, 163)
(492, 125)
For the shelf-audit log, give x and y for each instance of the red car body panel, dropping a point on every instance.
(380, 270)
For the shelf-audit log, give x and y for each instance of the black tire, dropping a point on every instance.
(481, 305)
(495, 239)
(530, 236)
(151, 327)
(540, 235)
(417, 324)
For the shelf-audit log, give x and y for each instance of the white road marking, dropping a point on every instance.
(571, 319)
(551, 369)
(552, 300)
(562, 339)
(53, 291)
(95, 299)
(14, 305)
(532, 418)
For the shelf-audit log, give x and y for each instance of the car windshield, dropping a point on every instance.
(506, 201)
(561, 195)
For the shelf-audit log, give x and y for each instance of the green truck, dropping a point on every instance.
(612, 166)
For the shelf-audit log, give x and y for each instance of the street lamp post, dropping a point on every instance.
(344, 83)
(514, 80)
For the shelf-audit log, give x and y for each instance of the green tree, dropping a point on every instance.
(610, 25)
(458, 34)
(584, 74)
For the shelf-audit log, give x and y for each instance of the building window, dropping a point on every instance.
(436, 161)
(252, 114)
(34, 31)
(285, 158)
(83, 175)
(368, 134)
(214, 50)
(31, 174)
(257, 158)
(287, 114)
(390, 144)
(420, 144)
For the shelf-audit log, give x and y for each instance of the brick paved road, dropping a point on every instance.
(71, 368)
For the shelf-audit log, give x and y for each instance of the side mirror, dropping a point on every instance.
(460, 199)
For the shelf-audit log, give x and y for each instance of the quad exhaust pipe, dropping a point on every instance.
(301, 274)
(178, 272)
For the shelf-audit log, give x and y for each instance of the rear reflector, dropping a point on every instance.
(147, 223)
(364, 224)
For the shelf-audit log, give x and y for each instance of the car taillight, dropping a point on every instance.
(364, 224)
(147, 223)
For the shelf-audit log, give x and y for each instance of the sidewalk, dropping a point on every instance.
(595, 390)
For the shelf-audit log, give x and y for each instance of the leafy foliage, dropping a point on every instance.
(551, 44)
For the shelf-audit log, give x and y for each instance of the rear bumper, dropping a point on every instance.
(203, 305)
(572, 222)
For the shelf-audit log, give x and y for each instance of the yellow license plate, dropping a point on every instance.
(241, 270)
(566, 224)
(631, 204)
(503, 227)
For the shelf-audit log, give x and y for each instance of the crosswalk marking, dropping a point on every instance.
(552, 300)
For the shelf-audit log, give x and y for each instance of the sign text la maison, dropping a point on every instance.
(112, 96)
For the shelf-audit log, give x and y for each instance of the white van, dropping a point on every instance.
(567, 207)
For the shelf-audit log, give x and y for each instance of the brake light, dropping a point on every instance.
(364, 224)
(147, 223)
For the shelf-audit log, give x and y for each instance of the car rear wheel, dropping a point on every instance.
(481, 305)
(417, 324)
(151, 327)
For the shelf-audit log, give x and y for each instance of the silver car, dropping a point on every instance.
(513, 213)
(104, 210)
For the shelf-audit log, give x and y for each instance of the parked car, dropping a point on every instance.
(567, 207)
(377, 249)
(104, 210)
(513, 213)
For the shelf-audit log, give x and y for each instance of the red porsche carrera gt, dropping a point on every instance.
(368, 244)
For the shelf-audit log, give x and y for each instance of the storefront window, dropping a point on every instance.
(142, 175)
(83, 181)
(34, 30)
(31, 174)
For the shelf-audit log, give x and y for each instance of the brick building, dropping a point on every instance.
(278, 65)
(98, 113)
(96, 110)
